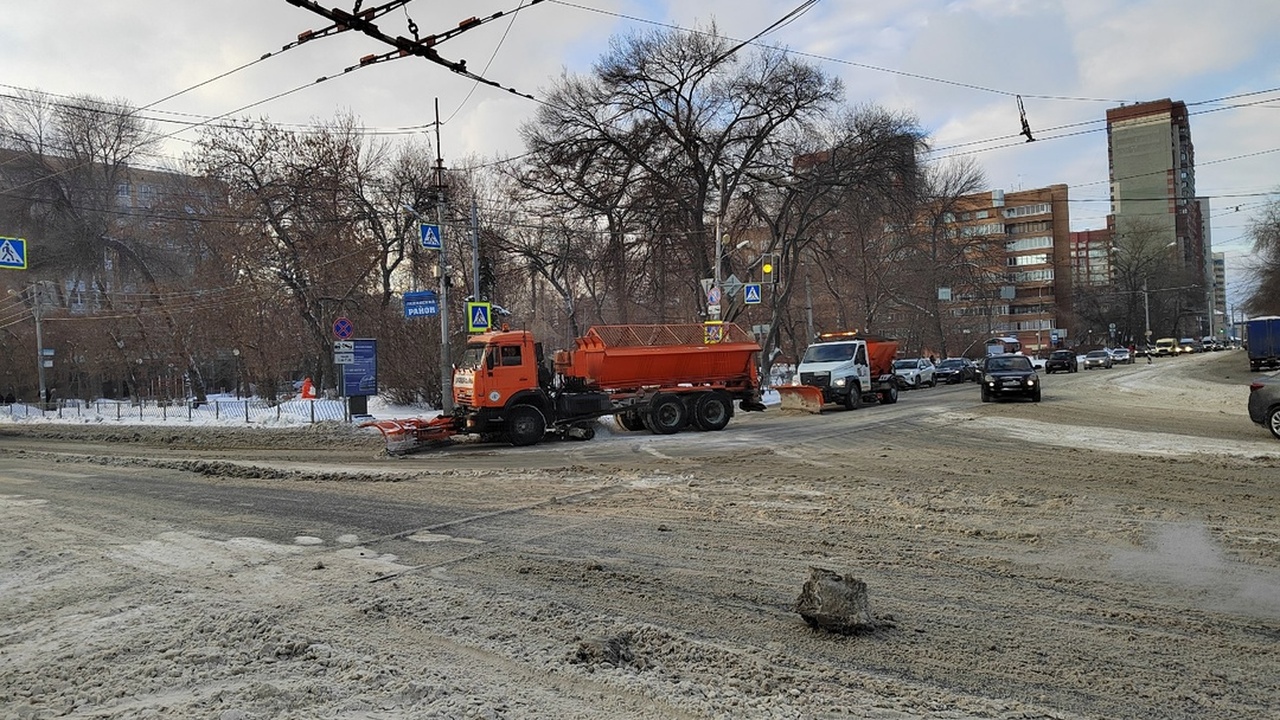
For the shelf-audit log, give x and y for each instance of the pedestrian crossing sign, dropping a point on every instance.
(13, 253)
(479, 317)
(751, 293)
(430, 235)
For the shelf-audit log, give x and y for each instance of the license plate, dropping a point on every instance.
(1012, 383)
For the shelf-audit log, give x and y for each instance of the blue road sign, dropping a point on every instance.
(420, 304)
(431, 238)
(342, 328)
(479, 316)
(360, 377)
(751, 293)
(13, 253)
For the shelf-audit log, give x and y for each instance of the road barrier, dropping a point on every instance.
(219, 412)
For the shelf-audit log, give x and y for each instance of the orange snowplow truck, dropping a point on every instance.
(656, 377)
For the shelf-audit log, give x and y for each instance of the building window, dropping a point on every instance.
(1031, 243)
(1019, 260)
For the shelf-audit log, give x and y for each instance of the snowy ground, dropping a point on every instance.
(1111, 552)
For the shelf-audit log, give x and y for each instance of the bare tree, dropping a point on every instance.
(839, 181)
(313, 224)
(662, 136)
(1265, 231)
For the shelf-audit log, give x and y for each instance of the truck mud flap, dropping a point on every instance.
(805, 398)
(413, 434)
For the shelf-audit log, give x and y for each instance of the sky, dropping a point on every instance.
(958, 66)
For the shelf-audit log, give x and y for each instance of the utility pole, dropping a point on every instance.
(1146, 310)
(37, 302)
(446, 355)
(475, 251)
(808, 304)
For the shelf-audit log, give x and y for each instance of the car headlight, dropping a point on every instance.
(1031, 381)
(840, 382)
(988, 379)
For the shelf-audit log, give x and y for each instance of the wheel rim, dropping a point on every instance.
(668, 415)
(1275, 422)
(712, 412)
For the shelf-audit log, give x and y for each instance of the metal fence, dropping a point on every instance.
(221, 411)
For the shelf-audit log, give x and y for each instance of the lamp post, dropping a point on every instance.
(1146, 311)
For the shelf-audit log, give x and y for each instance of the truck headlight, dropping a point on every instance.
(840, 382)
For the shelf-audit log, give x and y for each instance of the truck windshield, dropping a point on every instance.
(828, 352)
(472, 358)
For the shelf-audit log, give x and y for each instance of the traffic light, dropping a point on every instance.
(768, 267)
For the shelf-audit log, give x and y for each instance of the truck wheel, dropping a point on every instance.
(853, 400)
(711, 411)
(630, 420)
(667, 415)
(525, 425)
(1273, 422)
(890, 396)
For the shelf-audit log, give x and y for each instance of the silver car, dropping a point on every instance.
(1096, 359)
(1264, 403)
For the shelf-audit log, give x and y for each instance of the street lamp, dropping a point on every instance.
(1146, 311)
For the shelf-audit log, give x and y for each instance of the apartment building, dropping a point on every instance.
(1153, 190)
(1091, 257)
(1029, 234)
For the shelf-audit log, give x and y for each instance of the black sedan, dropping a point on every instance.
(956, 370)
(1007, 376)
(1061, 360)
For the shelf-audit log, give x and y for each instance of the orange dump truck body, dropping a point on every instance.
(621, 358)
(880, 353)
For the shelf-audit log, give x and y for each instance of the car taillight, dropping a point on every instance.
(1254, 387)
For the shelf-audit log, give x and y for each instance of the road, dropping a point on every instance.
(1110, 552)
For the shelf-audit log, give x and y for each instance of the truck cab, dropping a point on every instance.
(849, 368)
(498, 368)
(839, 368)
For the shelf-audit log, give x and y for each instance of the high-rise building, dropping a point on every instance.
(1153, 195)
(1218, 317)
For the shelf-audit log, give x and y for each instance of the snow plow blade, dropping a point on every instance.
(414, 434)
(800, 397)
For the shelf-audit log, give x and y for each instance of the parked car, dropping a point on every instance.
(1264, 403)
(1097, 359)
(1121, 356)
(955, 370)
(1009, 376)
(915, 372)
(1064, 360)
